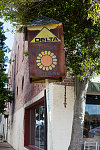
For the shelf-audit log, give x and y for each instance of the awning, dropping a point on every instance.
(93, 87)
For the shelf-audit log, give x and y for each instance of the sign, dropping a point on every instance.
(46, 52)
(45, 36)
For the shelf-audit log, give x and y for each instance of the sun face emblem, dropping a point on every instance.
(46, 60)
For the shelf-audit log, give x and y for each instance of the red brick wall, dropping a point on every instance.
(19, 74)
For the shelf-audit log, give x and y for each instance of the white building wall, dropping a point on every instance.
(16, 130)
(61, 117)
(59, 120)
(2, 126)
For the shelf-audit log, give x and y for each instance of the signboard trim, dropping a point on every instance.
(50, 37)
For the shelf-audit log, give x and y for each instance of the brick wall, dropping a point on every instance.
(19, 73)
(19, 81)
(68, 81)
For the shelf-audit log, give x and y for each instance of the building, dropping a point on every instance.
(27, 116)
(29, 126)
(2, 123)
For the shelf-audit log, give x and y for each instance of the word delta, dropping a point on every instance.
(50, 39)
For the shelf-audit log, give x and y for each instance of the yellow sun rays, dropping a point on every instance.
(46, 60)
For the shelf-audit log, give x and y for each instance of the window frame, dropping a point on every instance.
(27, 124)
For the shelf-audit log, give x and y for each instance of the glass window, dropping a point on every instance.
(37, 126)
(92, 117)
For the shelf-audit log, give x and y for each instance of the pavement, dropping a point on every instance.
(5, 146)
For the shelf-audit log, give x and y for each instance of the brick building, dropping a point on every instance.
(27, 119)
(30, 126)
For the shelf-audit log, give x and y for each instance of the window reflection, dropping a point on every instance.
(92, 117)
(39, 127)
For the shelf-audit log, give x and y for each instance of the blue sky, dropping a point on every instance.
(9, 35)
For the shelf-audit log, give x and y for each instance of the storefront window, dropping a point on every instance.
(34, 126)
(39, 127)
(92, 117)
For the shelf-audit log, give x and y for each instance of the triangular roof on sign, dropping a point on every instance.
(43, 21)
(45, 33)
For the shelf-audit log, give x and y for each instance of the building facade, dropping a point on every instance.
(26, 119)
(40, 116)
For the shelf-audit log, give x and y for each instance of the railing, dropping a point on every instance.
(91, 145)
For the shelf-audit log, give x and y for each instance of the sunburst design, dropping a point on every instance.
(46, 60)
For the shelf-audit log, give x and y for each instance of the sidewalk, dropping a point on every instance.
(5, 146)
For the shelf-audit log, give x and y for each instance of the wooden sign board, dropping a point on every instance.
(46, 52)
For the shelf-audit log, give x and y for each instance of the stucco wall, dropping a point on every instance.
(60, 121)
(2, 125)
(16, 130)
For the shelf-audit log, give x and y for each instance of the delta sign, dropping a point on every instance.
(46, 52)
